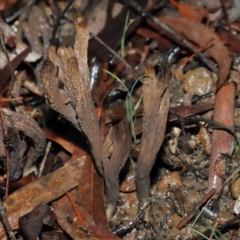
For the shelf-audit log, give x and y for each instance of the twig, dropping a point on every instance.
(190, 216)
(225, 10)
(14, 79)
(59, 17)
(114, 53)
(121, 231)
(214, 124)
(6, 222)
(176, 36)
(47, 150)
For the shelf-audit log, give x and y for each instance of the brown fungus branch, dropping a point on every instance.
(156, 106)
(74, 100)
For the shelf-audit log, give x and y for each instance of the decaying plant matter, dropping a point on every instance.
(73, 100)
(92, 179)
(75, 103)
(156, 107)
(19, 123)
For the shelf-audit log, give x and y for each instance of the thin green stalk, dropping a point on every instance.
(131, 109)
(126, 25)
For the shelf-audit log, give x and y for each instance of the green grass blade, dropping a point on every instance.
(118, 79)
(124, 35)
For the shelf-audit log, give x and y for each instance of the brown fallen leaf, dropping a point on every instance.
(195, 13)
(86, 230)
(89, 189)
(163, 43)
(187, 111)
(232, 41)
(69, 67)
(67, 145)
(156, 106)
(207, 42)
(44, 190)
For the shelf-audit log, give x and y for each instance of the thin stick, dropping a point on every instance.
(225, 10)
(176, 36)
(121, 231)
(190, 216)
(114, 53)
(214, 124)
(42, 165)
(59, 17)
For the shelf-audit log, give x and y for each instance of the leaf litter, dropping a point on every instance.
(129, 158)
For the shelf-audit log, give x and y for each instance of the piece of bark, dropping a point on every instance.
(68, 67)
(156, 106)
(21, 123)
(44, 190)
(26, 124)
(222, 141)
(121, 140)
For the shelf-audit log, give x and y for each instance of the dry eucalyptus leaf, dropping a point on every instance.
(155, 111)
(68, 67)
(43, 190)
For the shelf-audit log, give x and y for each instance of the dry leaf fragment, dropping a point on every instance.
(208, 42)
(73, 100)
(22, 122)
(195, 13)
(44, 190)
(77, 229)
(156, 107)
